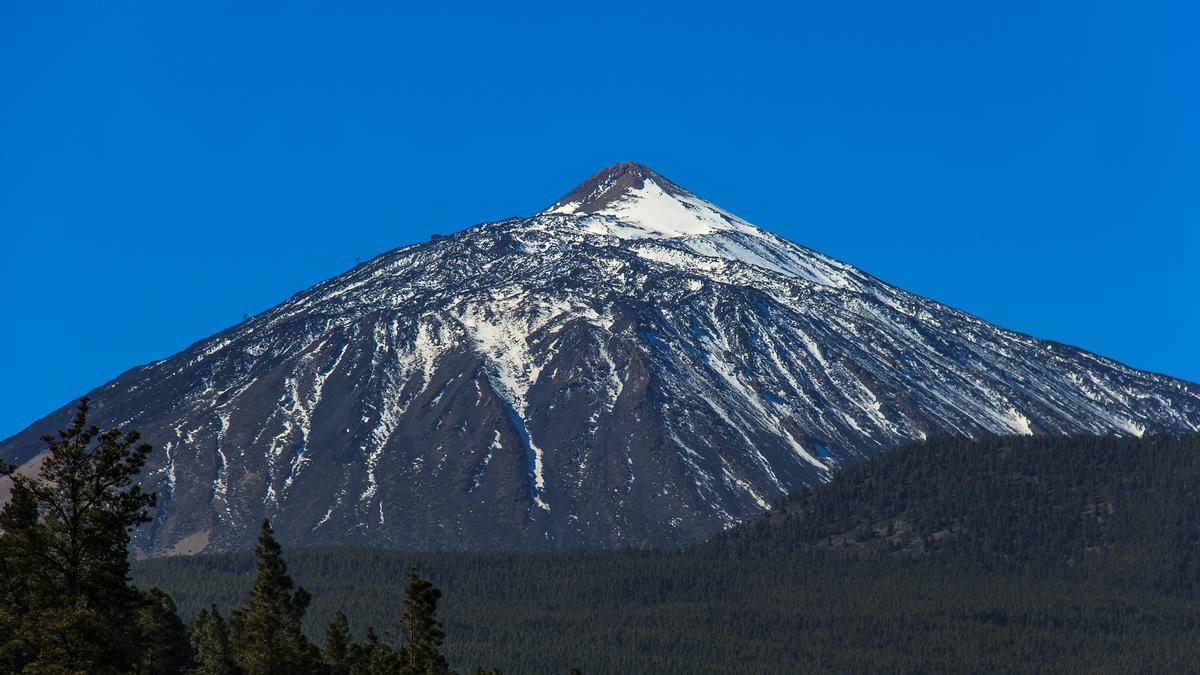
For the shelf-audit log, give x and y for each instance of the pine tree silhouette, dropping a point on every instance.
(422, 631)
(338, 648)
(209, 636)
(66, 604)
(265, 632)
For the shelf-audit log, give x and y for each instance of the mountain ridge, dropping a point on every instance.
(643, 374)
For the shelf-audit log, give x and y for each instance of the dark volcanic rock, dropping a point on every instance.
(631, 367)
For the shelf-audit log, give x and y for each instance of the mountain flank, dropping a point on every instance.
(631, 367)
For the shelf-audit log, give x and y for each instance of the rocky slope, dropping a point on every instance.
(633, 366)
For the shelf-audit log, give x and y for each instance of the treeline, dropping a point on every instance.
(1048, 554)
(67, 604)
(264, 635)
(810, 611)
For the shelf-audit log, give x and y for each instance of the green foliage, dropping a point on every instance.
(265, 634)
(164, 640)
(376, 657)
(423, 633)
(338, 650)
(1122, 511)
(1052, 554)
(66, 604)
(208, 634)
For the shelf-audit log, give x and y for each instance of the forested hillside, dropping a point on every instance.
(1124, 509)
(1062, 554)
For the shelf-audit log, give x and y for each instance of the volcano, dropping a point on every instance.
(632, 366)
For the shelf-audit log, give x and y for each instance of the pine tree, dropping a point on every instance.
(375, 657)
(209, 637)
(163, 638)
(67, 602)
(422, 631)
(19, 538)
(339, 649)
(265, 633)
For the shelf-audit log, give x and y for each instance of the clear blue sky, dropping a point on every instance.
(166, 168)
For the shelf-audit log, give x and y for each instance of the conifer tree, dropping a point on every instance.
(375, 657)
(66, 604)
(209, 637)
(164, 641)
(339, 649)
(18, 539)
(422, 631)
(264, 634)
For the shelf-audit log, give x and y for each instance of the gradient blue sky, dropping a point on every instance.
(166, 168)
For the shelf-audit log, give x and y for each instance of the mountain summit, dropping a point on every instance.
(633, 366)
(607, 185)
(644, 204)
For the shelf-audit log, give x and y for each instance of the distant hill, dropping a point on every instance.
(1056, 554)
(1125, 509)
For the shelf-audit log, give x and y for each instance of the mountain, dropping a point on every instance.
(632, 366)
(1000, 555)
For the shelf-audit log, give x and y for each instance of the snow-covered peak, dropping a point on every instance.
(632, 367)
(640, 203)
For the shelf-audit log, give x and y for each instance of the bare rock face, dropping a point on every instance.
(632, 366)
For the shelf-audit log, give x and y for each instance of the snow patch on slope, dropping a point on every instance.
(650, 211)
